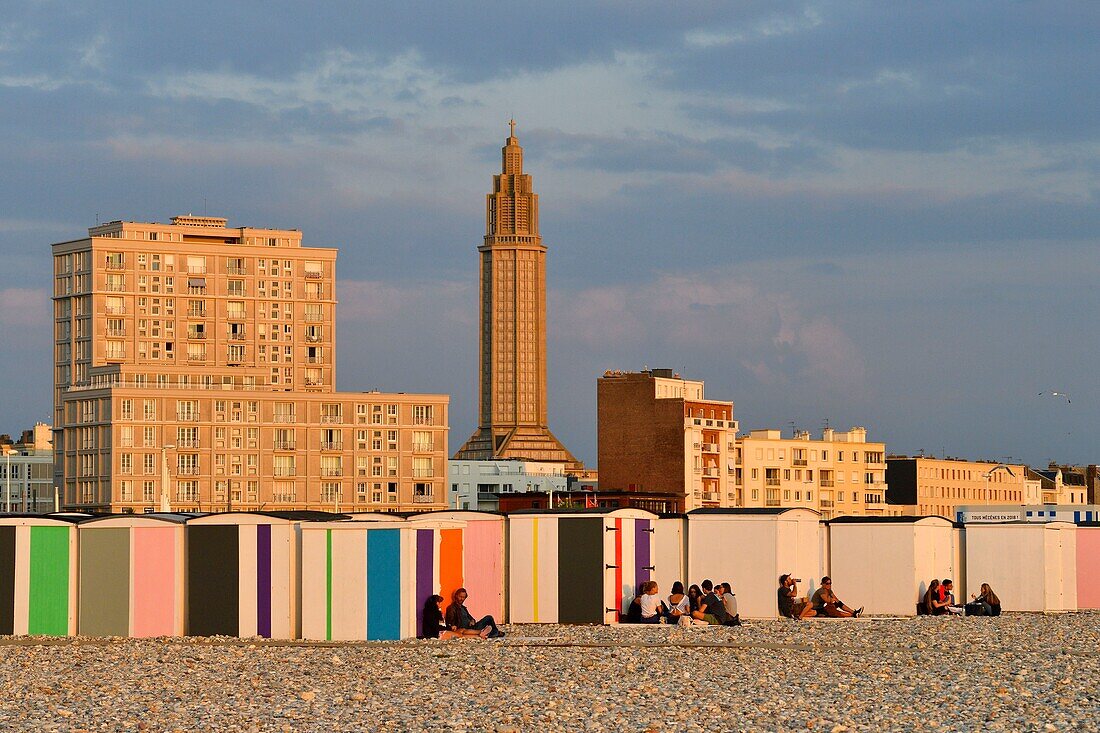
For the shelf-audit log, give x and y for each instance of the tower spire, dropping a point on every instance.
(512, 127)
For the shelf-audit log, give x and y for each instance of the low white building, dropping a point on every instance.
(476, 484)
(984, 513)
(26, 473)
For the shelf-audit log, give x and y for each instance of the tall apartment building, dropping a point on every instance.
(658, 434)
(199, 359)
(924, 485)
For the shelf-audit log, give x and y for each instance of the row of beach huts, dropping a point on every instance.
(313, 575)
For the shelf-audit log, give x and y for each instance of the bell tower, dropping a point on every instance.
(512, 414)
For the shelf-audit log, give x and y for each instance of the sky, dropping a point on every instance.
(862, 213)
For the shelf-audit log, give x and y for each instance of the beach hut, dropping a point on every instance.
(369, 580)
(1088, 565)
(885, 563)
(579, 566)
(132, 575)
(751, 548)
(473, 558)
(1030, 566)
(669, 552)
(376, 517)
(242, 573)
(38, 571)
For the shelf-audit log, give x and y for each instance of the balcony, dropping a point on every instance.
(772, 499)
(314, 382)
(284, 417)
(332, 471)
(826, 483)
(196, 335)
(115, 287)
(423, 447)
(187, 416)
(115, 265)
(196, 290)
(314, 316)
(332, 445)
(826, 503)
(710, 472)
(235, 270)
(187, 470)
(423, 499)
(187, 442)
(196, 269)
(713, 496)
(799, 462)
(315, 295)
(313, 338)
(235, 315)
(284, 445)
(709, 447)
(771, 482)
(196, 313)
(313, 274)
(423, 473)
(196, 357)
(331, 419)
(234, 358)
(116, 309)
(116, 331)
(283, 472)
(313, 360)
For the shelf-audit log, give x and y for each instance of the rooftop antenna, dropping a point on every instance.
(204, 206)
(794, 428)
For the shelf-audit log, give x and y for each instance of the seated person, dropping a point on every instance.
(653, 608)
(927, 605)
(434, 626)
(710, 610)
(825, 602)
(949, 597)
(986, 603)
(679, 605)
(633, 613)
(790, 606)
(725, 592)
(459, 618)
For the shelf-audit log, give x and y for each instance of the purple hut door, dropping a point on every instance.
(643, 556)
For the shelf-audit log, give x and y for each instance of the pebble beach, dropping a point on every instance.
(1016, 672)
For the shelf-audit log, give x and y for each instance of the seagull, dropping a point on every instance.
(1057, 395)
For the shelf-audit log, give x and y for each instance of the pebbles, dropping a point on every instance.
(1016, 672)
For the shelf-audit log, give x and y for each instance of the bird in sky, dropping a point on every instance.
(1057, 395)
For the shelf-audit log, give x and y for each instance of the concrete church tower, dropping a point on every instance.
(512, 416)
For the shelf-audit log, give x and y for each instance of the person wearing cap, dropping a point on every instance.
(790, 605)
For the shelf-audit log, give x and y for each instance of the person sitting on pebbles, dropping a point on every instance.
(459, 618)
(790, 605)
(654, 610)
(949, 598)
(825, 602)
(435, 628)
(725, 592)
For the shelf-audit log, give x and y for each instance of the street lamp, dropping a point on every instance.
(165, 503)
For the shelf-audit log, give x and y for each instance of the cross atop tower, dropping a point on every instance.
(511, 128)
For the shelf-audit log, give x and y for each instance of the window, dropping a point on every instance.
(422, 414)
(422, 441)
(282, 491)
(422, 468)
(187, 464)
(330, 492)
(126, 464)
(284, 412)
(149, 464)
(149, 411)
(332, 466)
(126, 409)
(148, 491)
(284, 465)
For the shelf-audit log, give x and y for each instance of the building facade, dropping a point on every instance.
(195, 362)
(928, 486)
(479, 484)
(840, 474)
(512, 400)
(658, 434)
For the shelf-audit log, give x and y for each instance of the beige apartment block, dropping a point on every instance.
(512, 400)
(927, 486)
(840, 474)
(200, 358)
(658, 434)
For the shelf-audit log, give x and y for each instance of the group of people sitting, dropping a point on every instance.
(823, 602)
(457, 622)
(705, 604)
(939, 600)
